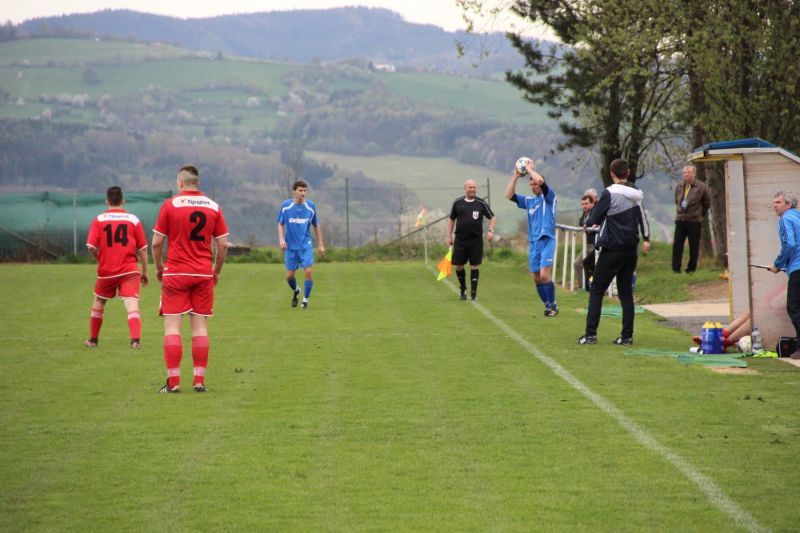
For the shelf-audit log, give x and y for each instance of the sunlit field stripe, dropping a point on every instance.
(703, 482)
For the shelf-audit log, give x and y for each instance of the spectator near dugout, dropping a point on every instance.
(116, 239)
(785, 206)
(584, 266)
(467, 214)
(692, 201)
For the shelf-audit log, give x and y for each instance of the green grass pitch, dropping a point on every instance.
(387, 405)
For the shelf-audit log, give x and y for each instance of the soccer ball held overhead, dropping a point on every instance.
(521, 165)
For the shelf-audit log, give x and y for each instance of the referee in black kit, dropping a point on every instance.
(467, 216)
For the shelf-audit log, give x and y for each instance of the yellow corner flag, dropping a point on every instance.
(420, 219)
(446, 265)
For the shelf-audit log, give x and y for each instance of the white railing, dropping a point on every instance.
(571, 234)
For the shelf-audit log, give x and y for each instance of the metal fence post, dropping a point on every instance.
(489, 201)
(425, 237)
(573, 238)
(566, 263)
(555, 261)
(74, 222)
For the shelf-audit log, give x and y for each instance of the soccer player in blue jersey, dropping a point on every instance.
(296, 217)
(541, 208)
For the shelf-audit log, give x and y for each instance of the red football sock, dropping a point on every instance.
(200, 358)
(173, 351)
(726, 333)
(135, 324)
(96, 322)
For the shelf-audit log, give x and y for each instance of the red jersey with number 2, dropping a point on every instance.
(190, 221)
(116, 235)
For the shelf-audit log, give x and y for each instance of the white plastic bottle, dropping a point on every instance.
(757, 341)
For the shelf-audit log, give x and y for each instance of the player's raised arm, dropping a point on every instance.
(512, 185)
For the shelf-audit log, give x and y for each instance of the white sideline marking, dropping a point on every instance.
(703, 482)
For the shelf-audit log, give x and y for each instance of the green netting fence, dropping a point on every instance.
(51, 224)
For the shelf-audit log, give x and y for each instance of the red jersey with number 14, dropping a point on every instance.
(189, 221)
(116, 235)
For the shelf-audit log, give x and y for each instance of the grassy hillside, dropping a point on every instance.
(33, 67)
(41, 52)
(496, 99)
(167, 97)
(440, 180)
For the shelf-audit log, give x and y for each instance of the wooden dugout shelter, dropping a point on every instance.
(754, 171)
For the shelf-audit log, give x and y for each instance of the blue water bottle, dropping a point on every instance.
(718, 338)
(707, 337)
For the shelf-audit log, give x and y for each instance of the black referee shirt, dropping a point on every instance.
(469, 217)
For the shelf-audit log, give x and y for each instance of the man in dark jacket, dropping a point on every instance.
(620, 216)
(584, 266)
(692, 201)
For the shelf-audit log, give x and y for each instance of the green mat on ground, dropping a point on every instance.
(730, 361)
(614, 311)
(654, 352)
(721, 360)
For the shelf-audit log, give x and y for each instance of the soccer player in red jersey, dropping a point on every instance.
(190, 221)
(116, 239)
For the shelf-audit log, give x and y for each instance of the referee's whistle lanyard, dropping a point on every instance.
(685, 200)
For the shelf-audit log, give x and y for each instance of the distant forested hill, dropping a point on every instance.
(377, 35)
(80, 114)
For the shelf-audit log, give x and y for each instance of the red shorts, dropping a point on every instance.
(187, 294)
(128, 286)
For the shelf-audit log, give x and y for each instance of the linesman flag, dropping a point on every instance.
(446, 265)
(420, 219)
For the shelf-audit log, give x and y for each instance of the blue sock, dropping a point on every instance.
(292, 283)
(551, 294)
(541, 288)
(307, 285)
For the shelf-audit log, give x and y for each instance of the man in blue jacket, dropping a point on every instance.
(620, 216)
(785, 206)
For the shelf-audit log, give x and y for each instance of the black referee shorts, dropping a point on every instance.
(468, 250)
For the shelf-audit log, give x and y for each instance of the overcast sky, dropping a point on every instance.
(443, 13)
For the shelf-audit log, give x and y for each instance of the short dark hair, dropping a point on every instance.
(299, 183)
(191, 169)
(588, 197)
(189, 175)
(114, 196)
(619, 167)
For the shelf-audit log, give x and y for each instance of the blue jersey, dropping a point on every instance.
(789, 233)
(297, 220)
(541, 213)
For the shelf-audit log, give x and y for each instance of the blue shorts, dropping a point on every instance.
(541, 253)
(295, 259)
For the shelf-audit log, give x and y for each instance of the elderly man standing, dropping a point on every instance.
(466, 217)
(692, 200)
(789, 258)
